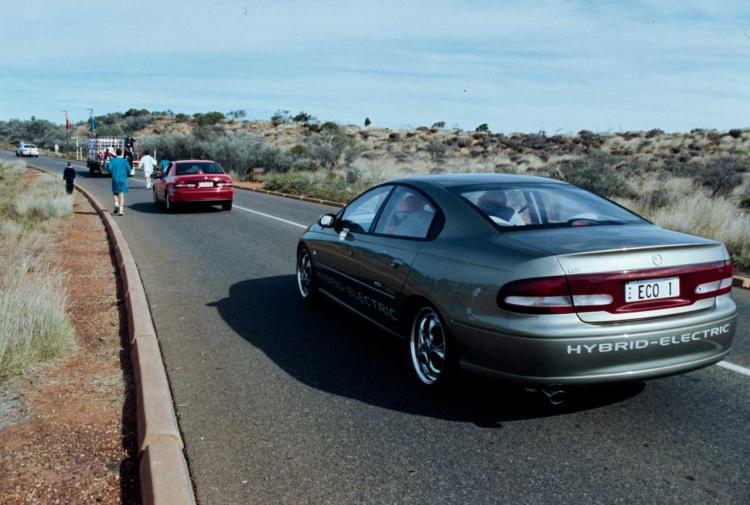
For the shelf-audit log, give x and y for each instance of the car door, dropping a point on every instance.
(333, 250)
(383, 257)
(160, 184)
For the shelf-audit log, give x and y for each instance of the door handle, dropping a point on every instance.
(396, 263)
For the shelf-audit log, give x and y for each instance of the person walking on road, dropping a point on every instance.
(119, 168)
(147, 163)
(69, 176)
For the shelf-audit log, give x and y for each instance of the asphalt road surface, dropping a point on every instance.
(280, 403)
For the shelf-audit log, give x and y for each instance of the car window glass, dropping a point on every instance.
(169, 169)
(198, 168)
(407, 214)
(359, 215)
(529, 205)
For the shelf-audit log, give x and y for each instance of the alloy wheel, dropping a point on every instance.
(428, 346)
(304, 274)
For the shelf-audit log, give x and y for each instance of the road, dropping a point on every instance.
(280, 403)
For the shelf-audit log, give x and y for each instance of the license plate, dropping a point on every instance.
(652, 289)
(208, 184)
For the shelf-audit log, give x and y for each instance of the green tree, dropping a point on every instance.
(302, 117)
(367, 122)
(483, 128)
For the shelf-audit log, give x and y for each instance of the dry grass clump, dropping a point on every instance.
(44, 200)
(677, 205)
(33, 324)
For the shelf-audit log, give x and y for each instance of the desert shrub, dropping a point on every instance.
(181, 118)
(745, 198)
(298, 151)
(735, 133)
(331, 147)
(281, 117)
(596, 173)
(236, 114)
(236, 153)
(302, 117)
(326, 185)
(303, 164)
(437, 150)
(720, 175)
(438, 124)
(137, 122)
(208, 119)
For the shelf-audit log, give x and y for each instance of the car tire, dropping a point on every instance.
(306, 285)
(226, 205)
(431, 350)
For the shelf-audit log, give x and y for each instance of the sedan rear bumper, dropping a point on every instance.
(629, 355)
(202, 195)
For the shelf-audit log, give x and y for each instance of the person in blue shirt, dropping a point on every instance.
(119, 168)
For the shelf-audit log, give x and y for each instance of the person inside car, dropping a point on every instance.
(494, 203)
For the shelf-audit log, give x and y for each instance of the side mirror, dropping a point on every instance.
(327, 220)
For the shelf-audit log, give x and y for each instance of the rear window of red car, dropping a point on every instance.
(198, 168)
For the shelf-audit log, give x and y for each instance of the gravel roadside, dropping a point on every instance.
(69, 430)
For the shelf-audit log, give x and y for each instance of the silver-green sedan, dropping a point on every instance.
(527, 279)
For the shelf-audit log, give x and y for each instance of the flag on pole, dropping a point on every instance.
(68, 124)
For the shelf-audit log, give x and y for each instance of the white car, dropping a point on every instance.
(25, 149)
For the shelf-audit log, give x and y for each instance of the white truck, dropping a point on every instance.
(101, 149)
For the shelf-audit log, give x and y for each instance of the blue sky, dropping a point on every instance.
(518, 66)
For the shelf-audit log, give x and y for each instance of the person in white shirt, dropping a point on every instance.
(147, 163)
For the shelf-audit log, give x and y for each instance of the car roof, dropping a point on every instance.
(449, 180)
(195, 161)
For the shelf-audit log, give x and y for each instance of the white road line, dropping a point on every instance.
(734, 368)
(298, 225)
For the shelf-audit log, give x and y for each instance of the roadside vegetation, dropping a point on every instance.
(33, 323)
(695, 181)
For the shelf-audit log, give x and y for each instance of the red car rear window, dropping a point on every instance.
(198, 168)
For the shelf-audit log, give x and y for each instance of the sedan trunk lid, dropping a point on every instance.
(623, 264)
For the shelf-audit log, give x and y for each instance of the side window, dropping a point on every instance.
(169, 169)
(359, 214)
(407, 214)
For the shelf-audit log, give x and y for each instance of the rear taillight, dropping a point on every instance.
(709, 285)
(546, 295)
(223, 184)
(606, 291)
(179, 185)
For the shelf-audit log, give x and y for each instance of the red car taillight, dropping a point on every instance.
(223, 184)
(606, 291)
(179, 185)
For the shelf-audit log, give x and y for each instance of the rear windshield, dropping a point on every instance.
(198, 168)
(524, 206)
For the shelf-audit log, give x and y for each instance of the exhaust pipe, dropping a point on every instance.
(555, 396)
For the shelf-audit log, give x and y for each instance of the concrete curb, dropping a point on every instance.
(289, 195)
(164, 476)
(739, 281)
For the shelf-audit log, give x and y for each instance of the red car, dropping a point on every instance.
(193, 181)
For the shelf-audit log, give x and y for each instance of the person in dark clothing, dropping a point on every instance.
(69, 176)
